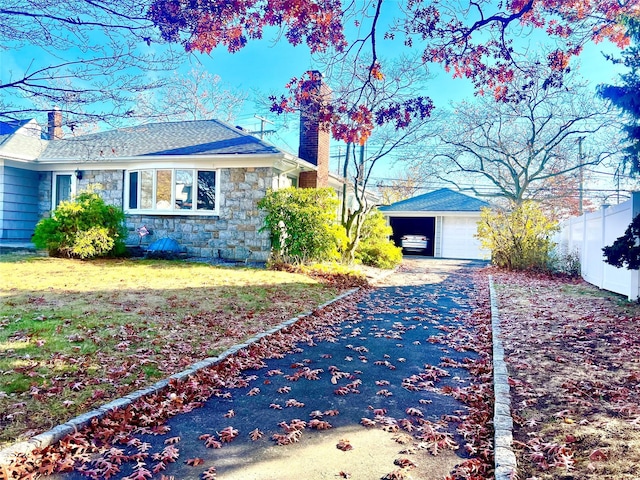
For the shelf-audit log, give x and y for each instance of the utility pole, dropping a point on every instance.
(344, 185)
(262, 123)
(617, 177)
(580, 159)
(339, 157)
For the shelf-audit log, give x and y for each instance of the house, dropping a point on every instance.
(448, 219)
(197, 182)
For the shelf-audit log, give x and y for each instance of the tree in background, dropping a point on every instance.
(89, 58)
(393, 93)
(526, 145)
(198, 96)
(359, 164)
(407, 185)
(519, 238)
(95, 57)
(627, 95)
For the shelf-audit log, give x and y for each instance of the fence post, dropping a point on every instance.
(603, 226)
(583, 248)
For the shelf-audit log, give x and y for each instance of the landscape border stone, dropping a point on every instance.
(45, 439)
(505, 458)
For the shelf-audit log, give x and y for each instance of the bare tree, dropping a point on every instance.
(406, 185)
(89, 58)
(360, 162)
(197, 96)
(351, 85)
(519, 148)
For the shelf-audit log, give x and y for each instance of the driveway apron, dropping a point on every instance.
(383, 363)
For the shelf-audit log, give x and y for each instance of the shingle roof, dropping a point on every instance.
(199, 137)
(442, 200)
(21, 140)
(12, 126)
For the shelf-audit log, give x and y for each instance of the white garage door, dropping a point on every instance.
(458, 239)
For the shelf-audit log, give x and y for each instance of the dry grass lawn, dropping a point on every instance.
(74, 335)
(574, 360)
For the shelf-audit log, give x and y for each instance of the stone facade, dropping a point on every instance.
(44, 194)
(233, 234)
(109, 183)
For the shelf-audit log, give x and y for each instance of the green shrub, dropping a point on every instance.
(375, 249)
(519, 239)
(83, 228)
(625, 251)
(303, 224)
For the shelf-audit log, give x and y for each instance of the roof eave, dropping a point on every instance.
(431, 213)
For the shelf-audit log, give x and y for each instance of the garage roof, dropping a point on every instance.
(442, 200)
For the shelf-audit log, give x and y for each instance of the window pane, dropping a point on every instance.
(133, 190)
(206, 190)
(184, 189)
(63, 188)
(163, 189)
(146, 189)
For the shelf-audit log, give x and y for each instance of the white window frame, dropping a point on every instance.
(172, 210)
(54, 186)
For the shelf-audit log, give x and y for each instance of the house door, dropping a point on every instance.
(63, 188)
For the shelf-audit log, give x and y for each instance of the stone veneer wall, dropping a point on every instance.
(231, 235)
(44, 194)
(109, 184)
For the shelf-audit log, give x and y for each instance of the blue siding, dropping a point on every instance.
(18, 203)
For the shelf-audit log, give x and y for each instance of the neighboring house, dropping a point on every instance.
(448, 219)
(197, 182)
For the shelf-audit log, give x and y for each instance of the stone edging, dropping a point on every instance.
(505, 458)
(8, 454)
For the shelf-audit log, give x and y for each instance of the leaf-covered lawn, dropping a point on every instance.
(74, 335)
(409, 359)
(573, 355)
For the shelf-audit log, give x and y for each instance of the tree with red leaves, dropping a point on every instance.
(474, 40)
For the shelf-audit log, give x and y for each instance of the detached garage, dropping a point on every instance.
(448, 219)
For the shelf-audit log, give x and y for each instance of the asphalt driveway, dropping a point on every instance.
(374, 391)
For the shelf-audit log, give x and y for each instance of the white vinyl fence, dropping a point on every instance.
(587, 235)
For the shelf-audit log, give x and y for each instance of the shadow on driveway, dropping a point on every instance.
(385, 365)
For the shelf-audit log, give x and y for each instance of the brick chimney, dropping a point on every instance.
(314, 141)
(55, 124)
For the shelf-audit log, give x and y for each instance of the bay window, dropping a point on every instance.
(172, 190)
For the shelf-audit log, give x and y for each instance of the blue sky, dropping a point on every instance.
(264, 68)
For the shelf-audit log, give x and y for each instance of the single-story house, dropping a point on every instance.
(447, 218)
(197, 182)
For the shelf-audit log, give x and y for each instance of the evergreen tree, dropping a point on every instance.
(626, 96)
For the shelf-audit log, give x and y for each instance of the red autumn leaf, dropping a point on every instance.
(598, 455)
(209, 474)
(344, 445)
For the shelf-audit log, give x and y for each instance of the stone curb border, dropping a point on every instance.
(8, 454)
(505, 458)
